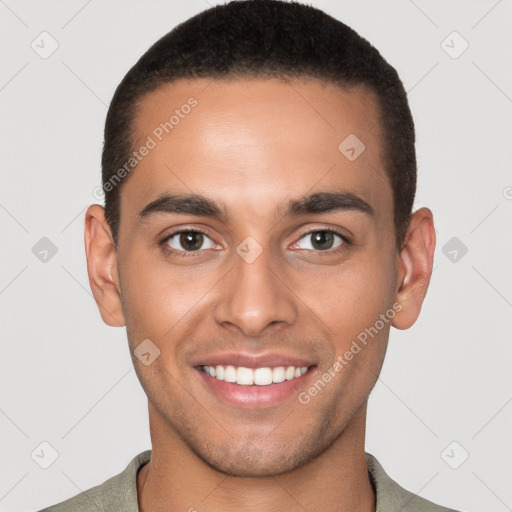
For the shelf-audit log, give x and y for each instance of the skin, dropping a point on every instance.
(252, 145)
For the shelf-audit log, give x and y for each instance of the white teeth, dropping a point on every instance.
(260, 376)
(230, 374)
(290, 372)
(278, 374)
(263, 376)
(244, 376)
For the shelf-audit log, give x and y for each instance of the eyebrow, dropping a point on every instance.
(316, 203)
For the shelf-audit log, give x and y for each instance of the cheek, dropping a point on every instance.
(157, 296)
(351, 298)
(357, 305)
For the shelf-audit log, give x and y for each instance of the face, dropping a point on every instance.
(273, 273)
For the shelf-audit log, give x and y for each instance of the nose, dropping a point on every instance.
(254, 297)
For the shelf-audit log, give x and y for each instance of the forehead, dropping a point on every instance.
(255, 141)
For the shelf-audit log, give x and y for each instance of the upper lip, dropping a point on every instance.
(254, 360)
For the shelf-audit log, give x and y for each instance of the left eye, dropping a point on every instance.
(321, 240)
(189, 241)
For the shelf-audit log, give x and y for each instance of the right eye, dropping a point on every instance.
(188, 241)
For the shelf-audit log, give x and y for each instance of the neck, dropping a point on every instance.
(337, 480)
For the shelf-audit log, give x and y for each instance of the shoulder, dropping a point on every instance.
(117, 493)
(391, 496)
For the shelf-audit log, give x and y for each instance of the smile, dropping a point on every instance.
(254, 376)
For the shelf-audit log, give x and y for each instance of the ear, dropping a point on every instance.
(415, 267)
(102, 266)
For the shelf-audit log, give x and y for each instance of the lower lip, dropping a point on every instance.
(254, 397)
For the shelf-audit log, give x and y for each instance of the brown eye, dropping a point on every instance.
(321, 240)
(189, 241)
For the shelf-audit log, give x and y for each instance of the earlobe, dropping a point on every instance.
(102, 266)
(415, 262)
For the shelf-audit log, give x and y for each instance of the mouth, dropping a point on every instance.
(254, 383)
(264, 376)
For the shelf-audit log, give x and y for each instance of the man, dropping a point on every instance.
(258, 243)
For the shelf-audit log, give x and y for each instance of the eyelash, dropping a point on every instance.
(192, 254)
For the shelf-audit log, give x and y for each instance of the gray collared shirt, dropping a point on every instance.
(119, 493)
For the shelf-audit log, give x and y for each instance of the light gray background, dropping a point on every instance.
(67, 379)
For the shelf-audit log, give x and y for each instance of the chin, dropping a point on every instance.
(249, 461)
